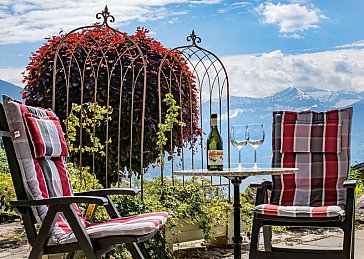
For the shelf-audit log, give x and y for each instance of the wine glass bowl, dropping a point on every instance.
(255, 137)
(238, 138)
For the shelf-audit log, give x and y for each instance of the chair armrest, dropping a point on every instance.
(109, 191)
(265, 184)
(350, 184)
(64, 200)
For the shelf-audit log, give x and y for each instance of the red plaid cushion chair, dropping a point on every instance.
(45, 194)
(318, 143)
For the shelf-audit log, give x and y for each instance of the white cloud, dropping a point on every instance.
(32, 20)
(205, 1)
(239, 4)
(300, 1)
(293, 36)
(355, 44)
(291, 18)
(232, 6)
(263, 75)
(12, 75)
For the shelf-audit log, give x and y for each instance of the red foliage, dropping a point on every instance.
(100, 62)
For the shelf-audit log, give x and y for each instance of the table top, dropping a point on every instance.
(237, 172)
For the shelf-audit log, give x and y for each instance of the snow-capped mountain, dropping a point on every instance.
(293, 99)
(247, 110)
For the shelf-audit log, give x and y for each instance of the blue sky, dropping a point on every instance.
(265, 45)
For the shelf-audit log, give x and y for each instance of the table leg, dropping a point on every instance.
(237, 239)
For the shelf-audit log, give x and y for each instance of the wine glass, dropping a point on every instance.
(255, 138)
(238, 138)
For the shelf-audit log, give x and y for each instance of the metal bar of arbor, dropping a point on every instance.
(142, 73)
(217, 82)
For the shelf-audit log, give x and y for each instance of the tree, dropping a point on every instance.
(91, 58)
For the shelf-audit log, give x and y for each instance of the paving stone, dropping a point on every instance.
(359, 244)
(359, 209)
(12, 245)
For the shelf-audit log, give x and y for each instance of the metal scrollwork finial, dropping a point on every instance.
(194, 38)
(105, 14)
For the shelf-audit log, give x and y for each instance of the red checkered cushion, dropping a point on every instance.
(300, 211)
(307, 137)
(318, 143)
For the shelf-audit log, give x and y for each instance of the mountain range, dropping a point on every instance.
(247, 110)
(10, 89)
(293, 99)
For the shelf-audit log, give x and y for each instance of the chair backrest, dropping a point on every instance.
(40, 150)
(318, 143)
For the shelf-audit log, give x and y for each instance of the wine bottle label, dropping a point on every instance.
(215, 157)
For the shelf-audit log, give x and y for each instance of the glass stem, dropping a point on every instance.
(255, 158)
(239, 157)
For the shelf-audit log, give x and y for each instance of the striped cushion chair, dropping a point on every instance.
(36, 151)
(318, 144)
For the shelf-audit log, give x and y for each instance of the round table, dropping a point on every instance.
(237, 175)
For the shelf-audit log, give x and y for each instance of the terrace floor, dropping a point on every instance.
(299, 239)
(13, 245)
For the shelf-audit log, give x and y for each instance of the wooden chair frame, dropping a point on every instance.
(345, 223)
(93, 248)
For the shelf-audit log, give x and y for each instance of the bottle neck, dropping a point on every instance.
(213, 122)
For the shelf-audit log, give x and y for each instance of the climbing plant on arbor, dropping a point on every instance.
(102, 66)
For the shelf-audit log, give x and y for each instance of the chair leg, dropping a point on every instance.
(254, 243)
(353, 240)
(349, 235)
(134, 250)
(71, 255)
(267, 235)
(44, 234)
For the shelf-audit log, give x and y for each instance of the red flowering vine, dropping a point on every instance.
(100, 56)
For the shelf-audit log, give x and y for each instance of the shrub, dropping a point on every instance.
(190, 203)
(4, 166)
(247, 201)
(356, 175)
(98, 50)
(7, 193)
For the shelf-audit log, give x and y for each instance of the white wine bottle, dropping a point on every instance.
(215, 154)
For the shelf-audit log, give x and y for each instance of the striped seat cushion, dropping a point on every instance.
(299, 211)
(44, 175)
(142, 224)
(318, 143)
